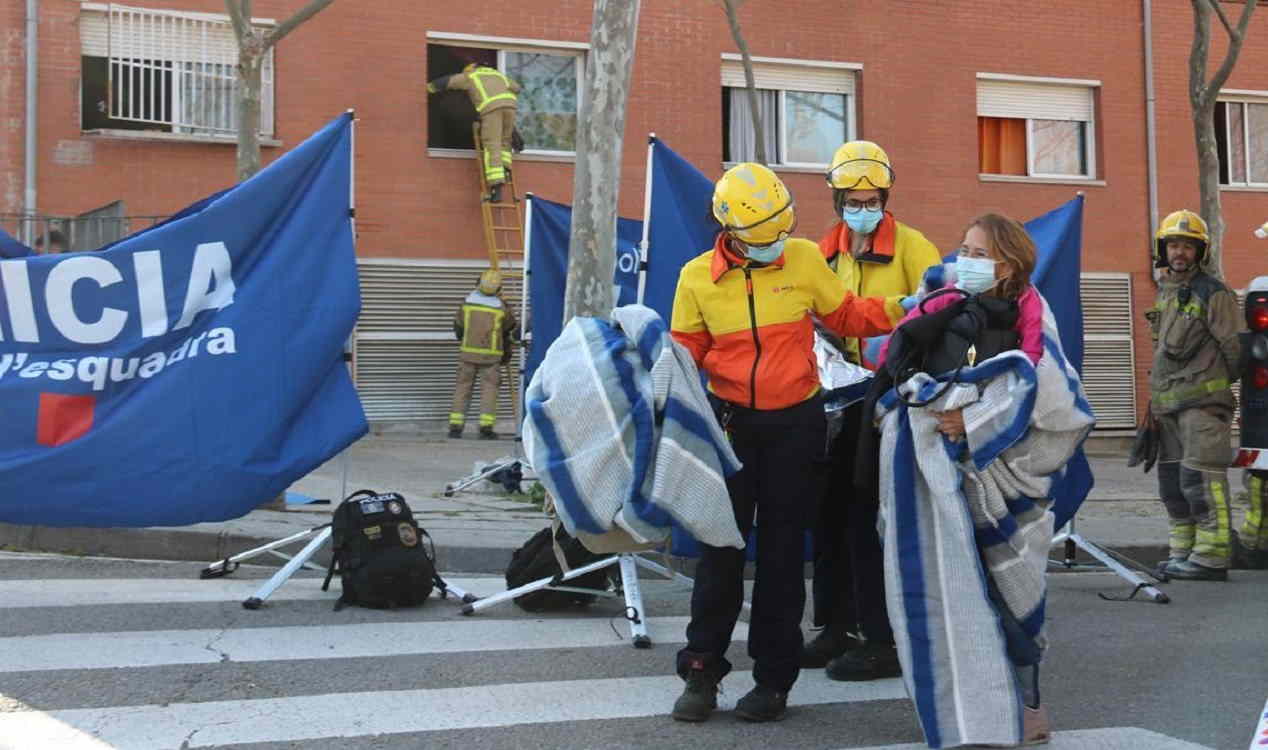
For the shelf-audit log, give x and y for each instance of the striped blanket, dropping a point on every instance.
(954, 513)
(621, 433)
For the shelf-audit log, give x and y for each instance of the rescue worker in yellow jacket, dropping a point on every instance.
(493, 94)
(1194, 323)
(485, 328)
(875, 255)
(743, 309)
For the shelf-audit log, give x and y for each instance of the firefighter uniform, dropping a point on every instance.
(493, 95)
(743, 310)
(1194, 324)
(484, 327)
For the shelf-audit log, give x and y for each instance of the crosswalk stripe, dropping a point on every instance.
(391, 712)
(148, 648)
(66, 592)
(1117, 738)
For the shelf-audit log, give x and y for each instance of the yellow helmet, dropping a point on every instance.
(490, 282)
(860, 165)
(470, 67)
(753, 205)
(1182, 223)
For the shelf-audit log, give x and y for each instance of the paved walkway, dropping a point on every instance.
(477, 529)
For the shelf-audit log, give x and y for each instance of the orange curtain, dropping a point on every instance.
(1001, 145)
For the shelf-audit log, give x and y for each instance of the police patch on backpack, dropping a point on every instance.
(380, 554)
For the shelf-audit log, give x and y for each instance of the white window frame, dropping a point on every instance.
(502, 45)
(99, 13)
(1089, 135)
(767, 68)
(1242, 98)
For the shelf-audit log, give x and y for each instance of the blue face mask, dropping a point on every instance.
(863, 221)
(974, 275)
(768, 254)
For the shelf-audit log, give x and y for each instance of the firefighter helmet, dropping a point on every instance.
(860, 165)
(1182, 223)
(753, 205)
(490, 282)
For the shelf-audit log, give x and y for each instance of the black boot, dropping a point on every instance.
(1240, 558)
(762, 704)
(495, 193)
(829, 644)
(487, 433)
(871, 661)
(1191, 571)
(699, 697)
(455, 430)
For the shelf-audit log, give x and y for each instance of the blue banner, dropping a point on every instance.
(192, 371)
(680, 226)
(548, 272)
(11, 248)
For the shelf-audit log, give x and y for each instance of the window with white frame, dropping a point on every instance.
(806, 110)
(1241, 135)
(1036, 127)
(548, 102)
(164, 70)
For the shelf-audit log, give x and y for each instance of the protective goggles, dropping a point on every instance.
(783, 235)
(860, 174)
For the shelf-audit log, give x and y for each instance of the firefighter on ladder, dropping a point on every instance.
(493, 95)
(484, 327)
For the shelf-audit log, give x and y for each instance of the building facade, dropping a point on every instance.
(982, 105)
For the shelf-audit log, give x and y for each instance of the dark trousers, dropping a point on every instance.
(779, 486)
(849, 570)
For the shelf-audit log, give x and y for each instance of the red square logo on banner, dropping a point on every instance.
(63, 418)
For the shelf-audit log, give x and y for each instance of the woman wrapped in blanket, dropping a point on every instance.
(983, 417)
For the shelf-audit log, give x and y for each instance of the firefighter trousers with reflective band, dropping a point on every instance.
(1193, 457)
(778, 490)
(467, 374)
(496, 127)
(1254, 532)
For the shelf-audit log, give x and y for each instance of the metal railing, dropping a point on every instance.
(60, 234)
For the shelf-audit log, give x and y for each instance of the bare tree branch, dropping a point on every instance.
(758, 133)
(1198, 53)
(1234, 45)
(241, 23)
(1219, 11)
(303, 14)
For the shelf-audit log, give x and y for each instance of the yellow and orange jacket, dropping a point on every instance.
(895, 264)
(750, 328)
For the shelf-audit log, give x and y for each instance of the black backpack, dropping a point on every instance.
(537, 560)
(383, 557)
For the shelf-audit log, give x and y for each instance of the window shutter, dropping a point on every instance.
(405, 357)
(145, 34)
(790, 77)
(1109, 364)
(1038, 101)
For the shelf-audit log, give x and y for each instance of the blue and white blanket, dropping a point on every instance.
(953, 513)
(620, 432)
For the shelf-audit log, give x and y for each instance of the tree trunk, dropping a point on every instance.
(1202, 104)
(758, 131)
(250, 85)
(600, 136)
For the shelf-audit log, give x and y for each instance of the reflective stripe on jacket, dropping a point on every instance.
(482, 324)
(750, 329)
(1194, 324)
(894, 264)
(488, 88)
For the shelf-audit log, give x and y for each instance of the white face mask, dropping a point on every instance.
(974, 275)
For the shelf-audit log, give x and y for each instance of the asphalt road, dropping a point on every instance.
(101, 653)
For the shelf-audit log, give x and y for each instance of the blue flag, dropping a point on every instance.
(680, 225)
(192, 371)
(548, 272)
(11, 248)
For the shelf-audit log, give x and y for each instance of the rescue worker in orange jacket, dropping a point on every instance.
(485, 328)
(493, 95)
(874, 254)
(744, 310)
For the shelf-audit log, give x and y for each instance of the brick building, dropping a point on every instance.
(982, 104)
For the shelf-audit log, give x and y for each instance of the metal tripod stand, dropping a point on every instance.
(1072, 540)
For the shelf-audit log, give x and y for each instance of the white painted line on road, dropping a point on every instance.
(92, 592)
(393, 712)
(151, 648)
(1120, 738)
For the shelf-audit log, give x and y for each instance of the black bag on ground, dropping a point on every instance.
(383, 557)
(537, 560)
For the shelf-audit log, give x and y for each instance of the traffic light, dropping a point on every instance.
(1253, 453)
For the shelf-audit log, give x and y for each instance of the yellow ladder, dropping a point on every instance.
(503, 221)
